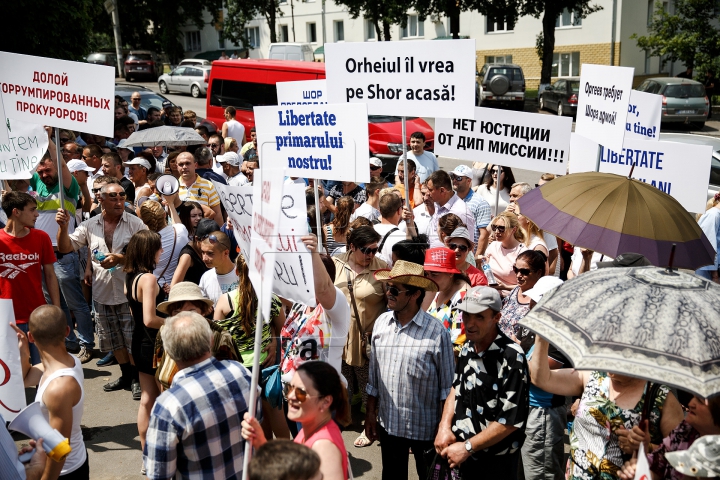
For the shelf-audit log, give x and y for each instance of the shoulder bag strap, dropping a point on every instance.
(352, 299)
(171, 253)
(382, 242)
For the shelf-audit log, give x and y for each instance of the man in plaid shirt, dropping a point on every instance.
(195, 426)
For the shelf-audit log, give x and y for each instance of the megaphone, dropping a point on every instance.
(31, 422)
(167, 185)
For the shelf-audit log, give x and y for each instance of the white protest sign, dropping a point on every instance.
(432, 78)
(681, 170)
(267, 192)
(512, 139)
(303, 92)
(603, 103)
(74, 95)
(643, 117)
(327, 142)
(12, 387)
(26, 145)
(3, 122)
(642, 468)
(293, 277)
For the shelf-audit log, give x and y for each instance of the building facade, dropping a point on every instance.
(603, 37)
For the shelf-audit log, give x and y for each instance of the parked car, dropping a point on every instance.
(245, 84)
(291, 51)
(142, 63)
(561, 96)
(186, 79)
(148, 99)
(194, 62)
(684, 100)
(105, 58)
(500, 85)
(714, 142)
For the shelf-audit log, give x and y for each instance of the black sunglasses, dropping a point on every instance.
(64, 140)
(498, 228)
(95, 190)
(368, 250)
(455, 246)
(213, 239)
(524, 271)
(373, 167)
(116, 194)
(394, 291)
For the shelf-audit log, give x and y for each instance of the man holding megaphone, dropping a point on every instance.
(59, 379)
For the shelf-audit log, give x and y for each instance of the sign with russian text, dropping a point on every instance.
(681, 170)
(303, 92)
(75, 95)
(3, 122)
(327, 142)
(12, 387)
(433, 78)
(293, 276)
(26, 145)
(643, 116)
(512, 139)
(603, 103)
(267, 192)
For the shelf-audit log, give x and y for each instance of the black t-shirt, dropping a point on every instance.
(197, 266)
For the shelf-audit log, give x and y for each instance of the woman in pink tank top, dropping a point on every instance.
(315, 396)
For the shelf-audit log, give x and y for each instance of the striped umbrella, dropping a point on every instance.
(165, 136)
(612, 214)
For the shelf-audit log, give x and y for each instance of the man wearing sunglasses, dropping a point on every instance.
(483, 421)
(410, 373)
(108, 234)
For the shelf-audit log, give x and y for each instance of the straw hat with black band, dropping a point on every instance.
(183, 292)
(407, 273)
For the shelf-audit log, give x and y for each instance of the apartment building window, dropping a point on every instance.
(500, 23)
(221, 39)
(253, 35)
(339, 28)
(369, 30)
(192, 41)
(498, 59)
(568, 19)
(653, 9)
(311, 33)
(414, 28)
(566, 64)
(284, 36)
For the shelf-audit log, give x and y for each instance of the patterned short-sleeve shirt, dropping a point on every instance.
(491, 386)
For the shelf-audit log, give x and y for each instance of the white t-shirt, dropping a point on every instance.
(366, 210)
(168, 237)
(425, 164)
(422, 218)
(217, 168)
(392, 239)
(214, 286)
(238, 180)
(297, 181)
(236, 130)
(488, 194)
(321, 337)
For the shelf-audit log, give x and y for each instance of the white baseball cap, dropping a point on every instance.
(231, 158)
(542, 286)
(463, 171)
(121, 144)
(78, 165)
(138, 161)
(375, 162)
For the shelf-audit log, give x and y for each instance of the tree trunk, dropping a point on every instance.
(378, 32)
(270, 15)
(453, 12)
(386, 30)
(548, 23)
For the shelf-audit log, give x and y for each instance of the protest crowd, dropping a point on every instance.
(416, 332)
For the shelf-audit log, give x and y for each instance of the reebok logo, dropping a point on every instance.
(11, 271)
(7, 257)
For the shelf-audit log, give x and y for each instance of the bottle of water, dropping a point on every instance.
(488, 272)
(100, 256)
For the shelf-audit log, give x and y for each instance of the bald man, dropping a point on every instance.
(195, 188)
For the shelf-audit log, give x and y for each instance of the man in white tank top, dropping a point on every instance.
(232, 128)
(60, 387)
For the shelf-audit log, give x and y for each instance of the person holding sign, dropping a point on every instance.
(415, 195)
(426, 162)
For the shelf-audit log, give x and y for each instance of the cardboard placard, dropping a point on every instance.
(26, 145)
(75, 95)
(512, 139)
(303, 92)
(293, 277)
(644, 115)
(681, 170)
(603, 103)
(428, 78)
(12, 387)
(327, 142)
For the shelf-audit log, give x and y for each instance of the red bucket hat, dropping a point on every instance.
(440, 259)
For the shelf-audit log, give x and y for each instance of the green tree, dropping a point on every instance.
(381, 13)
(689, 35)
(240, 12)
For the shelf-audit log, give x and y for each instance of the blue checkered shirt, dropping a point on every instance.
(411, 373)
(195, 427)
(480, 209)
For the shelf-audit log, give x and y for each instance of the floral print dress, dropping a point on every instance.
(450, 316)
(681, 438)
(594, 448)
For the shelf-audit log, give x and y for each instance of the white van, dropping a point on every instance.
(291, 51)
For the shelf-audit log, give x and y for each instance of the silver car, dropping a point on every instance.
(714, 142)
(186, 79)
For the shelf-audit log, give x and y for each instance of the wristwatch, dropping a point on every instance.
(468, 447)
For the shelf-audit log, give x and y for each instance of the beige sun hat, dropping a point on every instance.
(407, 273)
(183, 292)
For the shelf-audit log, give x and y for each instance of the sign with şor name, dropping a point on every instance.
(643, 116)
(303, 92)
